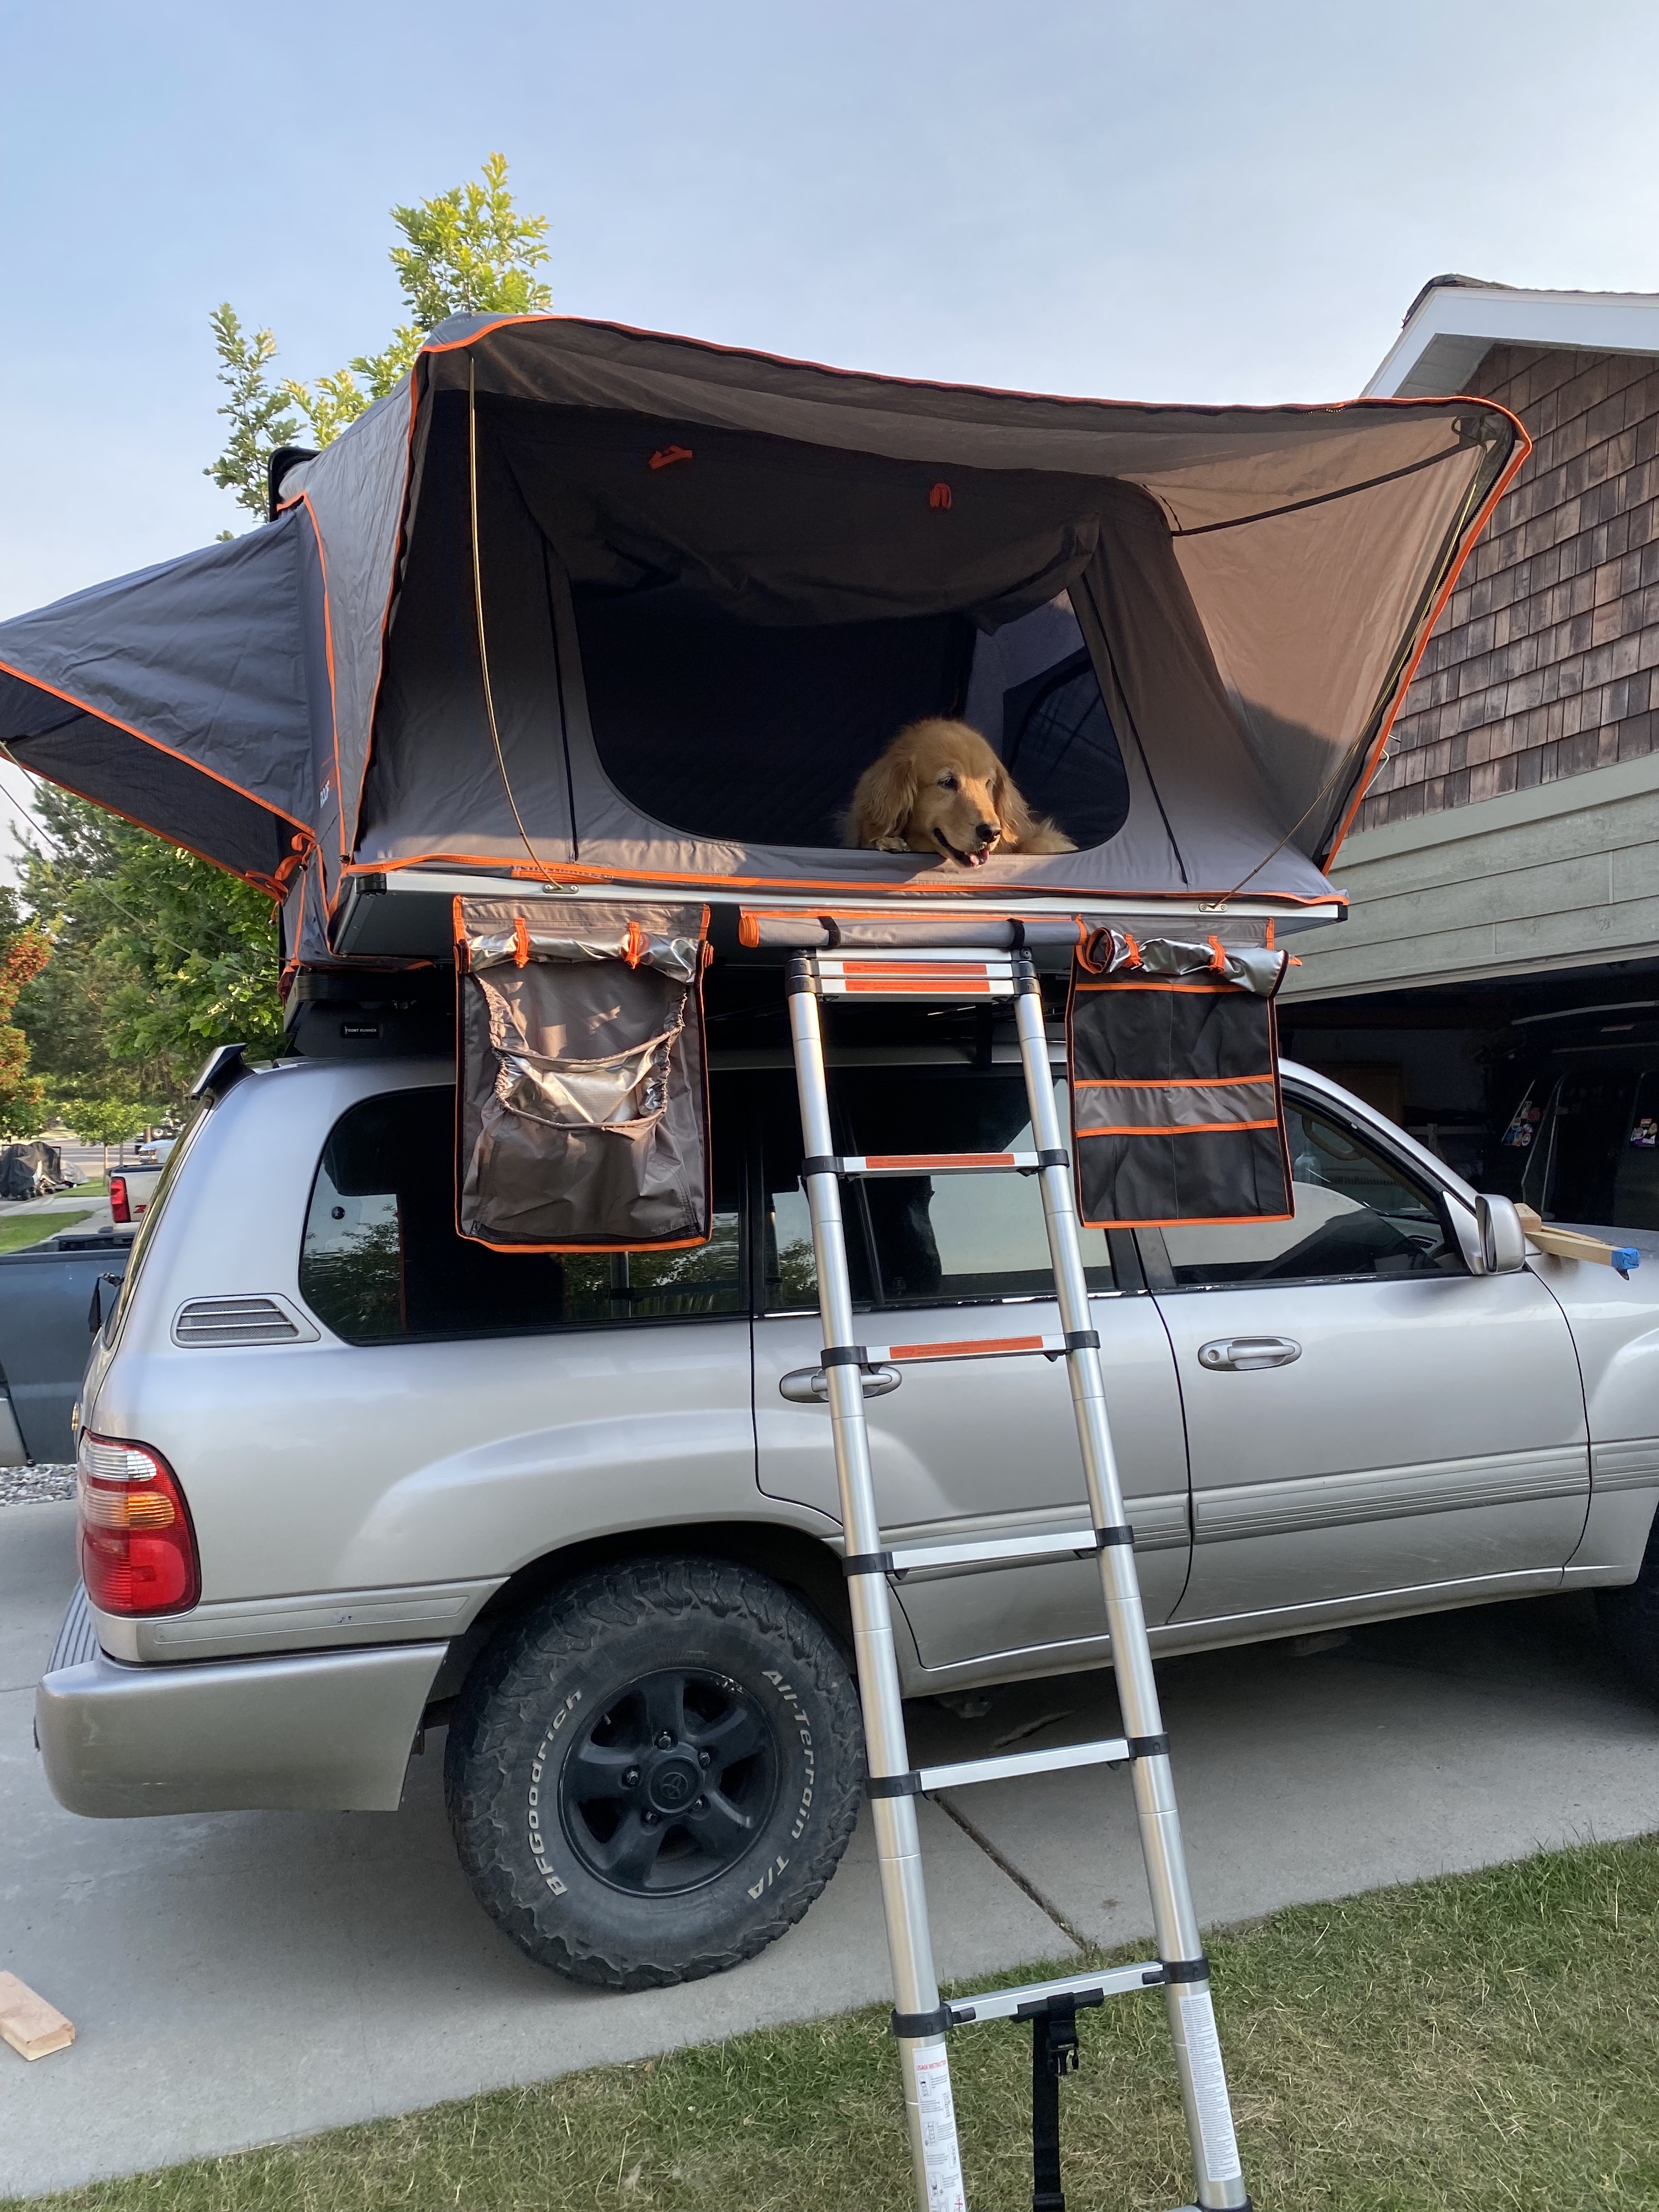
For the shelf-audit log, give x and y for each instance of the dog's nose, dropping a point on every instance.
(987, 832)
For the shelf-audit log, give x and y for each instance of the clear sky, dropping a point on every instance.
(1183, 201)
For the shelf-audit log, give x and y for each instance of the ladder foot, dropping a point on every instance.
(1053, 2055)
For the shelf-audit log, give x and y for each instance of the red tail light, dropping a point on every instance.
(138, 1547)
(120, 1209)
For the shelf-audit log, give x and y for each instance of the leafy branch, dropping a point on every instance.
(468, 251)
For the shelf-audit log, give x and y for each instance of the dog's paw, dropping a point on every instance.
(888, 844)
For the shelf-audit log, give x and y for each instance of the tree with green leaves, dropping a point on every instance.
(259, 416)
(107, 1121)
(157, 958)
(467, 251)
(24, 951)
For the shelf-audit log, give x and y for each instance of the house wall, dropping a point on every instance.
(1514, 826)
(1563, 874)
(1546, 663)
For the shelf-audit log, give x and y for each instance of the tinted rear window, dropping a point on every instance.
(382, 1263)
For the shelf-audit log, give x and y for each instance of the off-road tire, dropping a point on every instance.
(573, 1658)
(1630, 1618)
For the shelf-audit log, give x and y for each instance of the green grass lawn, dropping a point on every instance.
(19, 1230)
(1484, 2043)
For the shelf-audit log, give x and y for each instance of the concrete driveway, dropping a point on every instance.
(239, 1978)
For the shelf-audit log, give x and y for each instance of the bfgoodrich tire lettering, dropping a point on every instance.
(654, 1775)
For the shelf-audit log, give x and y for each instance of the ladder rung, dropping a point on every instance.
(1113, 1751)
(937, 990)
(935, 974)
(1006, 2004)
(970, 1347)
(869, 1164)
(990, 1550)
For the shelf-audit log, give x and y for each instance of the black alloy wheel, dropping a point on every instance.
(671, 1785)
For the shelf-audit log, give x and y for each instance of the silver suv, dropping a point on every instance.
(345, 1478)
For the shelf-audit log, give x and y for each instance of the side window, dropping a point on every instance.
(1356, 1214)
(790, 1284)
(1059, 741)
(381, 1263)
(941, 1239)
(1033, 692)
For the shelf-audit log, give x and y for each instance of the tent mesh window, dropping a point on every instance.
(724, 727)
(728, 728)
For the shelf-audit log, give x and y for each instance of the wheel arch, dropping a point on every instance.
(799, 1561)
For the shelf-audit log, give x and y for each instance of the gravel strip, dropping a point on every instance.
(35, 1485)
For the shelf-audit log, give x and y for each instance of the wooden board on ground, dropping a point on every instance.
(28, 2023)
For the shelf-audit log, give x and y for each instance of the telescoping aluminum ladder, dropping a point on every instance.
(921, 2021)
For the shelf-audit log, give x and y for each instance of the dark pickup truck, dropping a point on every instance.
(51, 1298)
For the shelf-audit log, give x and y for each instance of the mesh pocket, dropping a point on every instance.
(1172, 1061)
(582, 1118)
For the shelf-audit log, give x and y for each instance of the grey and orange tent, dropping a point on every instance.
(599, 606)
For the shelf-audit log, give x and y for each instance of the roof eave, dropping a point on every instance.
(1453, 322)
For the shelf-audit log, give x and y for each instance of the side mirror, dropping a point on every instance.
(1502, 1239)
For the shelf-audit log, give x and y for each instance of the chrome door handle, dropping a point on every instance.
(810, 1386)
(1238, 1355)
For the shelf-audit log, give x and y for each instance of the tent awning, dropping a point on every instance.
(182, 698)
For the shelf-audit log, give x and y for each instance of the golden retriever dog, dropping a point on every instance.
(939, 789)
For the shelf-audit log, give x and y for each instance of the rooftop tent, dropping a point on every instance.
(643, 608)
(712, 585)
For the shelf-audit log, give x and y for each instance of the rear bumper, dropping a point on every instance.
(330, 1732)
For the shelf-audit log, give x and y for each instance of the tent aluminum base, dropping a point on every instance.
(405, 913)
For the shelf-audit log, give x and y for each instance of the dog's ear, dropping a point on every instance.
(882, 800)
(1017, 820)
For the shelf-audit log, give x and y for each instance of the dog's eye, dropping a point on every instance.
(947, 783)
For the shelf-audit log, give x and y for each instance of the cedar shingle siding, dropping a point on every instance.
(1546, 663)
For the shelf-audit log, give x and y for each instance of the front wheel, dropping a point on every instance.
(653, 1775)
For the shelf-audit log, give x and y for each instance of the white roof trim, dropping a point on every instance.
(1452, 325)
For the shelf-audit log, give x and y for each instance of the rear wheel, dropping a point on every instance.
(653, 1775)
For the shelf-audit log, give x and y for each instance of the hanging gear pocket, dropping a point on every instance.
(581, 1085)
(1172, 1059)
